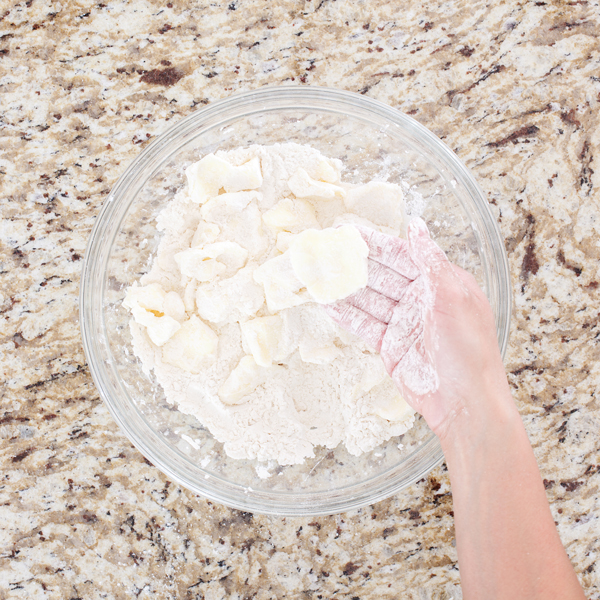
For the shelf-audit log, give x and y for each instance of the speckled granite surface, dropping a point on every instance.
(512, 87)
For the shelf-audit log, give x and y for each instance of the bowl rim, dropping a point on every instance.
(92, 325)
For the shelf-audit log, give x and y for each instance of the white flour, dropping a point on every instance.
(325, 386)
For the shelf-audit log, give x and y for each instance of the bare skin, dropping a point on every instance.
(507, 543)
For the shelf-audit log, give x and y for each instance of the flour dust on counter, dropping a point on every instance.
(230, 315)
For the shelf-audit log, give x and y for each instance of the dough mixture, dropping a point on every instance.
(230, 315)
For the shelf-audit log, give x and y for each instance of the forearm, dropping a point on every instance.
(506, 539)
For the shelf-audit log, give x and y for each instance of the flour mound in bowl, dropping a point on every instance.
(230, 315)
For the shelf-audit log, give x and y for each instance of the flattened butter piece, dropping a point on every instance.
(159, 328)
(231, 299)
(304, 186)
(174, 306)
(207, 176)
(201, 262)
(282, 288)
(158, 311)
(379, 202)
(260, 338)
(373, 374)
(392, 407)
(326, 171)
(284, 239)
(238, 216)
(243, 380)
(331, 263)
(151, 297)
(291, 215)
(221, 208)
(206, 233)
(319, 356)
(190, 345)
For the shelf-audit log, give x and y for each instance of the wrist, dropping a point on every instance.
(479, 424)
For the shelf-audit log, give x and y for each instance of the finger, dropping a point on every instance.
(393, 252)
(358, 322)
(403, 330)
(379, 306)
(386, 281)
(415, 371)
(426, 254)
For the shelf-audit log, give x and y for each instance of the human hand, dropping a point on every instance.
(435, 332)
(431, 324)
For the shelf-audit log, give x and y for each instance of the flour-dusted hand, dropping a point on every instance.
(434, 329)
(430, 322)
(391, 271)
(390, 312)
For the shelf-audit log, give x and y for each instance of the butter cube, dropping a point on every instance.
(223, 207)
(174, 306)
(392, 406)
(291, 215)
(318, 356)
(153, 308)
(317, 335)
(206, 233)
(243, 380)
(189, 346)
(379, 202)
(202, 263)
(199, 266)
(244, 177)
(238, 214)
(211, 174)
(282, 288)
(304, 186)
(260, 338)
(159, 328)
(373, 374)
(149, 297)
(325, 171)
(284, 239)
(331, 263)
(189, 296)
(232, 299)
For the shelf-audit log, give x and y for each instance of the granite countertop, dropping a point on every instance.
(513, 88)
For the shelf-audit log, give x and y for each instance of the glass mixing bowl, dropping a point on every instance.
(374, 141)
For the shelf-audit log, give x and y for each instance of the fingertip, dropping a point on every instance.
(365, 232)
(335, 310)
(423, 250)
(391, 251)
(417, 228)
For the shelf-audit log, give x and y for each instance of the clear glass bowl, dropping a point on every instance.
(374, 141)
